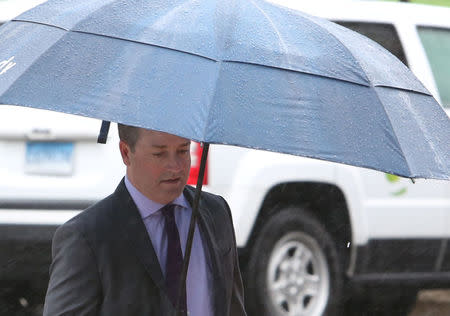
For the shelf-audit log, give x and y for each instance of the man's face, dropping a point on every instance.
(159, 165)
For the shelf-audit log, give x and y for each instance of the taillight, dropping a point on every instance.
(196, 156)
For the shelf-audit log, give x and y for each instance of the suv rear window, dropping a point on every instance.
(383, 34)
(436, 42)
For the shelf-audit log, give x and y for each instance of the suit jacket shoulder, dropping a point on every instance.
(103, 216)
(214, 210)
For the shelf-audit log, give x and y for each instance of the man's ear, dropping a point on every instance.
(125, 152)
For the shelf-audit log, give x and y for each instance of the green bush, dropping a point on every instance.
(445, 3)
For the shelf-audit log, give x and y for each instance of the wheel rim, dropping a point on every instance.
(297, 276)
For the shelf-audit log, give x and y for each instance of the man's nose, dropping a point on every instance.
(174, 163)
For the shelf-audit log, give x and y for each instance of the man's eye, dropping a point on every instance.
(184, 151)
(157, 154)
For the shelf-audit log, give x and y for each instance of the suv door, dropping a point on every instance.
(405, 220)
(436, 43)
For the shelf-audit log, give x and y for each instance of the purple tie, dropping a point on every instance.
(174, 262)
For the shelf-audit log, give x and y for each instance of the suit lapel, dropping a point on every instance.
(207, 226)
(134, 230)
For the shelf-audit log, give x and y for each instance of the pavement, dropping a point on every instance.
(432, 303)
(428, 303)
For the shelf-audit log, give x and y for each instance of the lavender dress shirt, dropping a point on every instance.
(199, 279)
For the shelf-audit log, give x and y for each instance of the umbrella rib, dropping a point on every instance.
(412, 91)
(402, 89)
(144, 43)
(395, 134)
(296, 71)
(118, 38)
(283, 44)
(418, 121)
(342, 44)
(219, 68)
(41, 23)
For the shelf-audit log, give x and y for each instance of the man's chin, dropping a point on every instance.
(172, 191)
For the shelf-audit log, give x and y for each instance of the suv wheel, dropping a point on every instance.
(293, 268)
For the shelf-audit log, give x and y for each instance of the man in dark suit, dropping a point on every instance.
(123, 255)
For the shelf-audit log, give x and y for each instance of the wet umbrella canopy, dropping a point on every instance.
(245, 73)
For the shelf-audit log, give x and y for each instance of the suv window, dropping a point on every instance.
(384, 34)
(436, 42)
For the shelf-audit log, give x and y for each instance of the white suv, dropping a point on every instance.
(334, 228)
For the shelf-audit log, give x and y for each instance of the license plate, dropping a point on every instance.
(49, 158)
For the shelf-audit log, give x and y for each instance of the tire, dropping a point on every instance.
(293, 268)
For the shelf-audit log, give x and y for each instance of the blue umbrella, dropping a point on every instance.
(245, 73)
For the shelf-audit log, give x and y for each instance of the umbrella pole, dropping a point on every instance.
(187, 252)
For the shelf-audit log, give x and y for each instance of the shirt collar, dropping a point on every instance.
(146, 206)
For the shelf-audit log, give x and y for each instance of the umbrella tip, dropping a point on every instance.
(103, 135)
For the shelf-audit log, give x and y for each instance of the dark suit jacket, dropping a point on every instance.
(104, 262)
